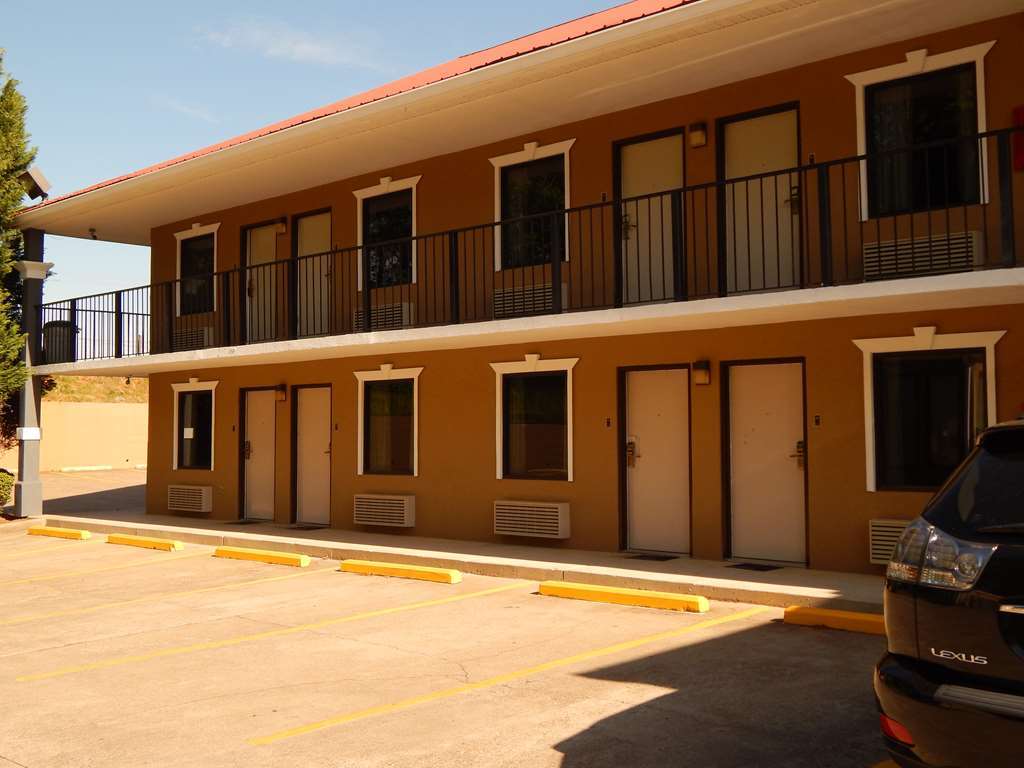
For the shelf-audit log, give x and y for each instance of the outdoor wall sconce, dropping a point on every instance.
(281, 393)
(702, 372)
(698, 134)
(282, 226)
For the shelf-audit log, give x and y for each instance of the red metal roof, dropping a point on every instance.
(545, 38)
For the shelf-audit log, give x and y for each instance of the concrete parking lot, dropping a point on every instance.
(114, 655)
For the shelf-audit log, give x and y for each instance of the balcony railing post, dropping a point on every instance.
(226, 309)
(453, 276)
(169, 298)
(73, 318)
(118, 329)
(367, 290)
(1006, 222)
(825, 224)
(558, 240)
(678, 251)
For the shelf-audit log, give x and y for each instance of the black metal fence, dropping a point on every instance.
(923, 210)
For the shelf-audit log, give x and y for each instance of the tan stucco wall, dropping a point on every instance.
(457, 190)
(89, 435)
(456, 482)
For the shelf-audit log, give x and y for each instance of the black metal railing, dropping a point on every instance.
(923, 210)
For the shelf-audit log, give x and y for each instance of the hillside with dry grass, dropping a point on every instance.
(99, 389)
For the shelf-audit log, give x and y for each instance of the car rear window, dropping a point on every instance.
(986, 494)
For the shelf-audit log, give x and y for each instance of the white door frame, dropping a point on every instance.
(724, 368)
(623, 436)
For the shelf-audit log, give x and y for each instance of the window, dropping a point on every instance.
(388, 425)
(535, 425)
(388, 218)
(932, 109)
(193, 424)
(195, 268)
(387, 432)
(528, 190)
(929, 408)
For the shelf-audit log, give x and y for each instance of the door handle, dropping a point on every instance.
(801, 454)
(794, 200)
(631, 453)
(247, 450)
(627, 225)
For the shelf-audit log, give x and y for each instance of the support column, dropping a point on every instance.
(28, 489)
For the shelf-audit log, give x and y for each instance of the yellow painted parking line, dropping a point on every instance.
(153, 598)
(60, 533)
(401, 571)
(145, 542)
(284, 631)
(41, 550)
(850, 621)
(508, 677)
(133, 564)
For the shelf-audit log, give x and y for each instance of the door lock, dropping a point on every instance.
(631, 453)
(801, 454)
(247, 450)
(627, 225)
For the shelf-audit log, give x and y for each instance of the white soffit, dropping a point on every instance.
(673, 53)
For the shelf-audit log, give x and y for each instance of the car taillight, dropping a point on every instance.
(927, 555)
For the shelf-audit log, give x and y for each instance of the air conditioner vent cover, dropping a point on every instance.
(195, 499)
(539, 519)
(934, 254)
(395, 511)
(884, 535)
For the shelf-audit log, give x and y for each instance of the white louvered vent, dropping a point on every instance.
(541, 519)
(192, 338)
(190, 498)
(934, 254)
(382, 509)
(883, 536)
(388, 317)
(519, 300)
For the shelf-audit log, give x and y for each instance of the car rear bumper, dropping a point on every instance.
(947, 731)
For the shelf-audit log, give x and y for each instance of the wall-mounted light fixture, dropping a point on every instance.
(698, 134)
(282, 226)
(702, 372)
(281, 393)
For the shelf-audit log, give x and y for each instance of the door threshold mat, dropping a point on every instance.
(655, 558)
(304, 527)
(246, 522)
(755, 566)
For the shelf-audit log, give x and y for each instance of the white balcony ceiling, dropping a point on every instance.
(685, 50)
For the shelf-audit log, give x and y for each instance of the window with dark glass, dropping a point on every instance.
(938, 110)
(388, 427)
(929, 408)
(195, 429)
(388, 218)
(196, 288)
(531, 190)
(535, 426)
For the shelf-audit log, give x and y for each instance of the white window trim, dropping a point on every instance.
(924, 339)
(531, 364)
(388, 373)
(195, 231)
(194, 385)
(386, 186)
(918, 62)
(530, 151)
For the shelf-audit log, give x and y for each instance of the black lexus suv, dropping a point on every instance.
(951, 686)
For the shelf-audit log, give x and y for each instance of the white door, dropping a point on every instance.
(762, 215)
(258, 451)
(313, 292)
(658, 460)
(313, 455)
(766, 462)
(261, 282)
(647, 227)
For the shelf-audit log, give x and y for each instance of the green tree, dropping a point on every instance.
(15, 157)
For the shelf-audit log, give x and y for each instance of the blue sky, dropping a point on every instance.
(113, 87)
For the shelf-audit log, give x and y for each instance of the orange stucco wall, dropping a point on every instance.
(456, 482)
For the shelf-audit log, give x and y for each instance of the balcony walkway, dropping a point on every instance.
(714, 579)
